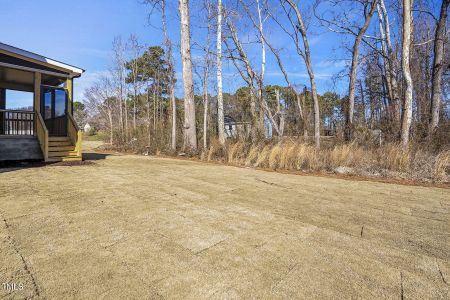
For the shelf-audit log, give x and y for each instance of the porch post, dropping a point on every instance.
(2, 98)
(2, 106)
(37, 92)
(69, 87)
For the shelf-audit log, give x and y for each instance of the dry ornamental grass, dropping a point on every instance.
(389, 160)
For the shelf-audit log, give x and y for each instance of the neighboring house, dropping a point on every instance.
(87, 128)
(48, 132)
(267, 128)
(234, 129)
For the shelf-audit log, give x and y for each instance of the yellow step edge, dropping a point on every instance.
(55, 144)
(58, 139)
(61, 148)
(66, 158)
(62, 153)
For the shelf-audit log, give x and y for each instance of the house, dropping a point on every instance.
(87, 128)
(234, 129)
(48, 131)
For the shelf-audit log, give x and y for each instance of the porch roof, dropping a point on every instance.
(17, 67)
(29, 61)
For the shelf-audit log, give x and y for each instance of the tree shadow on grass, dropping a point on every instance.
(10, 166)
(88, 159)
(94, 156)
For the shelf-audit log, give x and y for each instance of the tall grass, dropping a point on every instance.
(441, 168)
(389, 160)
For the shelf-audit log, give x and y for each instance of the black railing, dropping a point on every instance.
(16, 122)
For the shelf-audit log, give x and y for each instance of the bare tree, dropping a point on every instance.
(368, 13)
(342, 23)
(101, 104)
(280, 112)
(406, 44)
(206, 70)
(134, 66)
(391, 66)
(190, 134)
(171, 68)
(220, 113)
(438, 67)
(250, 77)
(306, 54)
(118, 71)
(264, 41)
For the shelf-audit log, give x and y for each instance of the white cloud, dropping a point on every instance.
(319, 76)
(85, 81)
(332, 64)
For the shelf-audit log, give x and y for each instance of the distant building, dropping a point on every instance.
(87, 128)
(234, 129)
(267, 128)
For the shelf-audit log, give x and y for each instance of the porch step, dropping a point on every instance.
(59, 143)
(64, 158)
(61, 153)
(58, 139)
(61, 149)
(52, 148)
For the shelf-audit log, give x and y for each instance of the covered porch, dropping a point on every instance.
(44, 127)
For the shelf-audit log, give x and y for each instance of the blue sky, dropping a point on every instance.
(81, 33)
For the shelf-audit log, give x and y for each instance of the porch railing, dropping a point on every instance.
(17, 122)
(74, 133)
(42, 135)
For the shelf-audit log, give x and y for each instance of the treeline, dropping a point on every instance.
(397, 76)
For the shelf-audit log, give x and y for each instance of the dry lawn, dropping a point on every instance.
(145, 227)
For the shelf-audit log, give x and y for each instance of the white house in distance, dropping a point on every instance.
(87, 128)
(234, 129)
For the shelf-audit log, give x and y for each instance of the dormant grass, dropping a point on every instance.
(389, 160)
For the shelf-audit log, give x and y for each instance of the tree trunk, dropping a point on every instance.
(134, 111)
(173, 143)
(353, 69)
(393, 67)
(254, 118)
(206, 78)
(280, 114)
(406, 44)
(205, 115)
(304, 114)
(220, 113)
(126, 120)
(168, 43)
(259, 25)
(438, 68)
(263, 70)
(190, 135)
(148, 117)
(307, 57)
(110, 126)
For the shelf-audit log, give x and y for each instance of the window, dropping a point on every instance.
(60, 103)
(18, 100)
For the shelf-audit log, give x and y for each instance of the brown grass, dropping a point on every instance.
(389, 160)
(441, 168)
(418, 163)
